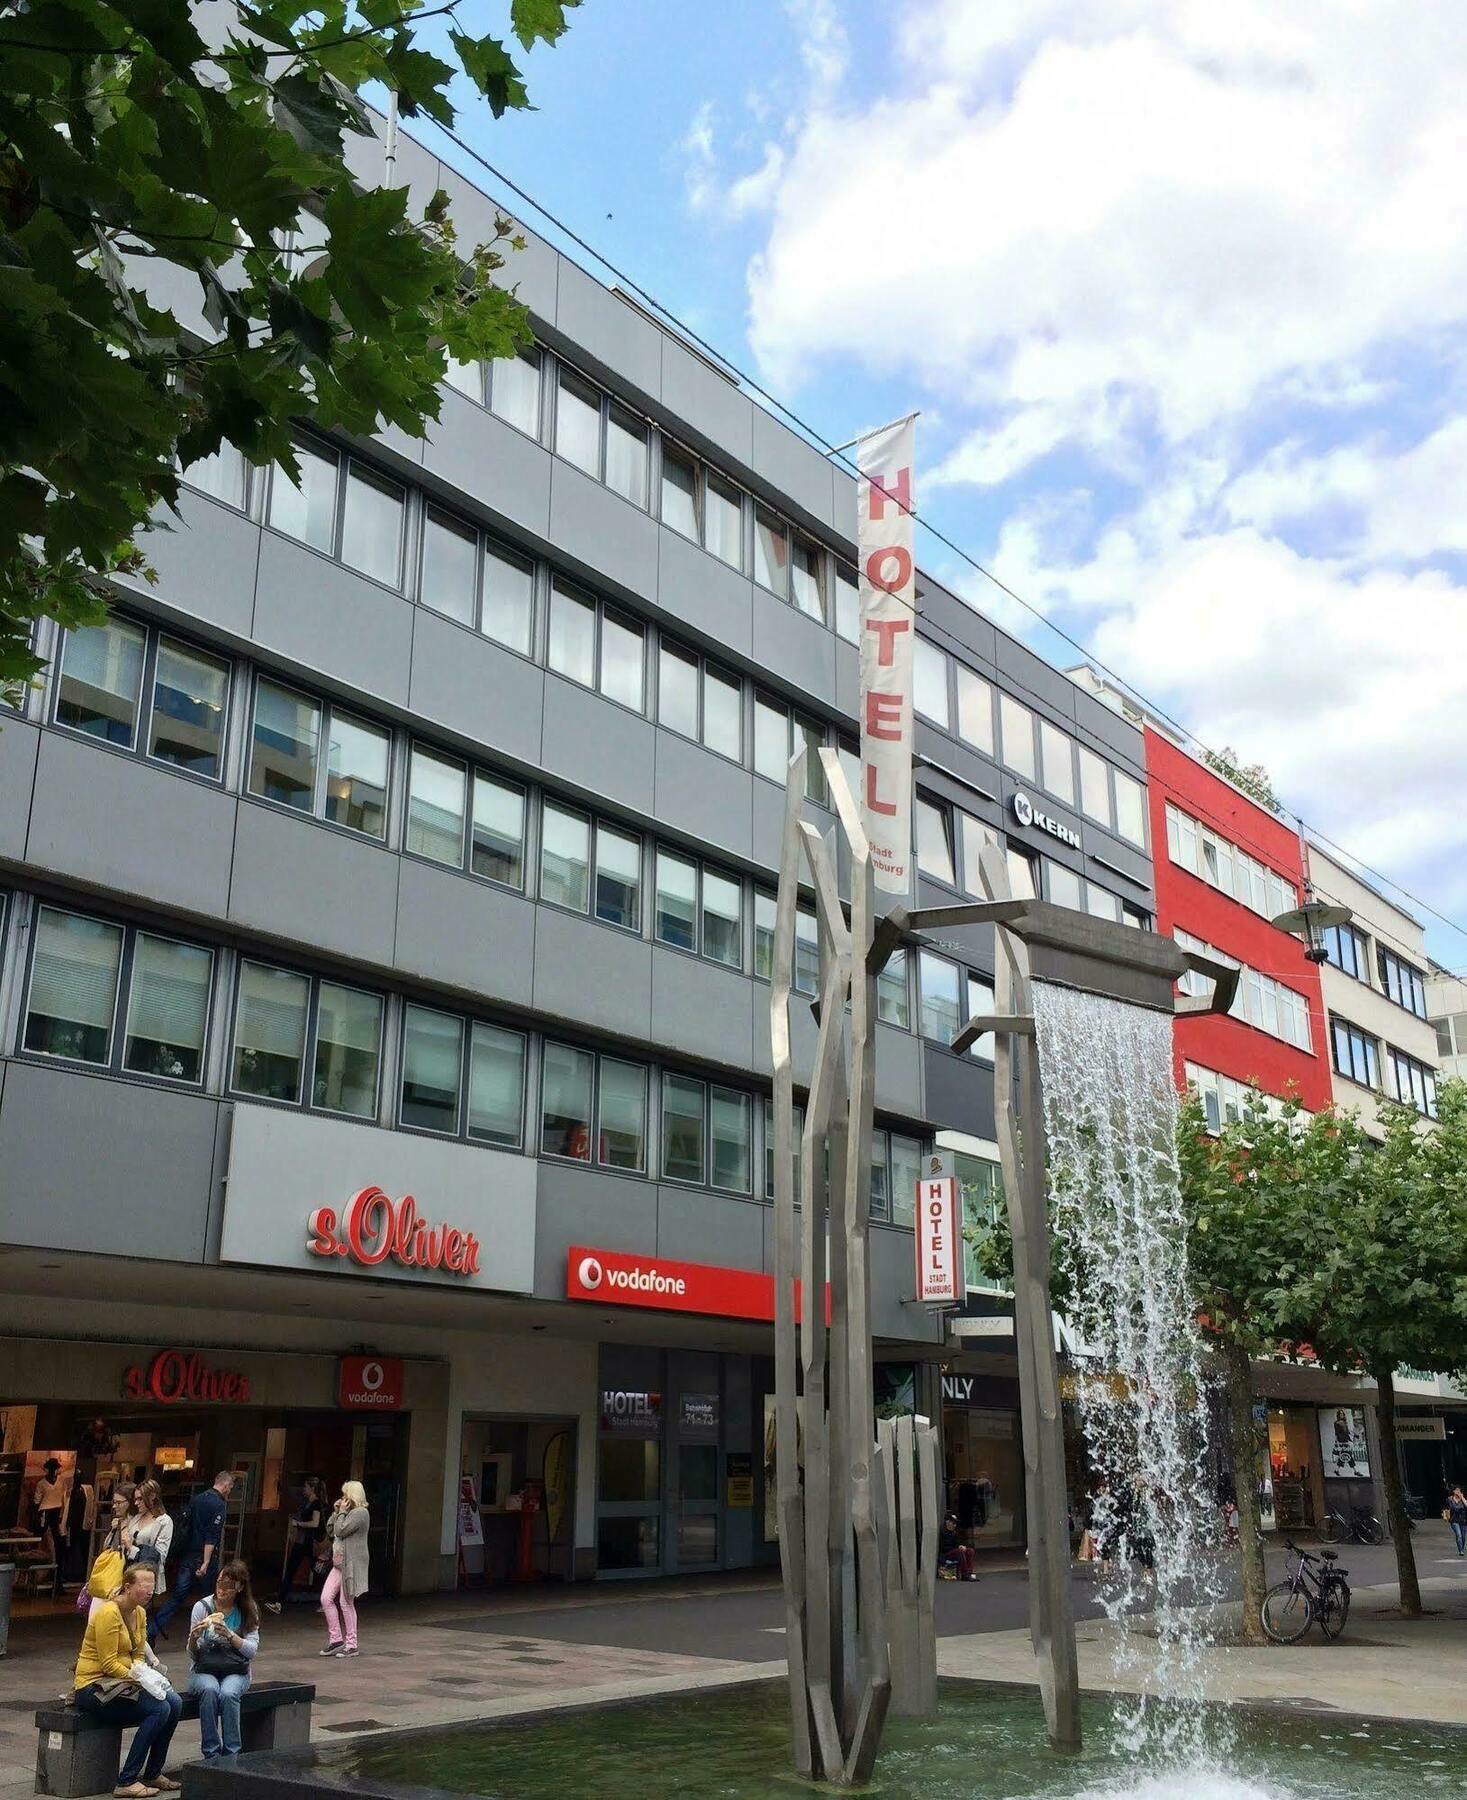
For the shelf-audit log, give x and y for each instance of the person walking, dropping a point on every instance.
(1457, 1517)
(307, 1529)
(151, 1535)
(223, 1636)
(116, 1638)
(203, 1528)
(347, 1526)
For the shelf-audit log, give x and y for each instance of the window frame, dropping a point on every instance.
(664, 1076)
(641, 1172)
(486, 543)
(466, 1022)
(1398, 977)
(313, 1021)
(345, 461)
(313, 979)
(570, 590)
(523, 354)
(317, 811)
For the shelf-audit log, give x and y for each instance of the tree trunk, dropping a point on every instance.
(1396, 1520)
(1245, 1482)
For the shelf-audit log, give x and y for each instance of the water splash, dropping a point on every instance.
(1110, 1114)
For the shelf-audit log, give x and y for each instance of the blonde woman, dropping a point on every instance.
(151, 1536)
(116, 1638)
(347, 1528)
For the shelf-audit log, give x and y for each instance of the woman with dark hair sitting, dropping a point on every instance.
(223, 1636)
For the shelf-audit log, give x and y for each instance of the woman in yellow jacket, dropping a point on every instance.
(116, 1638)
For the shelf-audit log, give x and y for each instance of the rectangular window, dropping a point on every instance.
(348, 1051)
(812, 736)
(224, 475)
(1094, 786)
(941, 1017)
(723, 521)
(676, 921)
(168, 1008)
(565, 858)
(682, 1128)
(723, 924)
(578, 423)
(766, 908)
(74, 977)
(1101, 904)
(435, 822)
(677, 689)
(1065, 887)
(771, 739)
(101, 685)
(356, 775)
(723, 714)
(934, 841)
(847, 605)
(980, 1003)
(1023, 872)
(771, 553)
(618, 878)
(906, 1172)
(1401, 982)
(514, 390)
(623, 662)
(190, 694)
(509, 600)
(497, 840)
(730, 1133)
(572, 648)
(626, 456)
(805, 586)
(306, 509)
(975, 710)
(565, 1102)
(893, 992)
(1018, 735)
(806, 975)
(1130, 809)
(466, 378)
(880, 1176)
(269, 1032)
(1059, 766)
(929, 683)
(679, 491)
(284, 746)
(371, 538)
(621, 1115)
(449, 580)
(976, 837)
(1412, 1083)
(496, 1086)
(432, 1068)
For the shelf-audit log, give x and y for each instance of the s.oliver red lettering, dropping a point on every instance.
(175, 1376)
(374, 1229)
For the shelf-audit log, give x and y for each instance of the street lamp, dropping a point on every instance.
(1310, 921)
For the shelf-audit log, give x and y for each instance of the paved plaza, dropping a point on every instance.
(446, 1658)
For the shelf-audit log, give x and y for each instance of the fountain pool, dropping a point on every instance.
(986, 1741)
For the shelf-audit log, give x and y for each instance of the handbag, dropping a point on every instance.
(147, 1556)
(220, 1662)
(1447, 1514)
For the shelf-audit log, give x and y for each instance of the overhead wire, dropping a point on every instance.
(819, 441)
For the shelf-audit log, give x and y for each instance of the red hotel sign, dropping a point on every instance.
(175, 1377)
(375, 1228)
(611, 1278)
(370, 1383)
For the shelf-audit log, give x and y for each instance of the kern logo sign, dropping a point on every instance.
(888, 595)
(1027, 813)
(370, 1383)
(611, 1278)
(939, 1254)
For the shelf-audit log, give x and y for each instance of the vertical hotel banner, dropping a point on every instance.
(888, 616)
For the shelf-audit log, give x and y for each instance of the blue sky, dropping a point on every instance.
(1181, 292)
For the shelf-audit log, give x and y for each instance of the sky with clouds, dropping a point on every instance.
(1181, 292)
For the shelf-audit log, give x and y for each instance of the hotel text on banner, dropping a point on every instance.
(888, 620)
(939, 1255)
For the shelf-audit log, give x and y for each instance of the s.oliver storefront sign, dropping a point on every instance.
(352, 1201)
(612, 1278)
(182, 1377)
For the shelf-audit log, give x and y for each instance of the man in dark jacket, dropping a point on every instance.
(203, 1528)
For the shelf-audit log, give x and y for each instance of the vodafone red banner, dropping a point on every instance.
(612, 1278)
(370, 1383)
(888, 589)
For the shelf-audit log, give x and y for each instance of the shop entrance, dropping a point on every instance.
(983, 1456)
(1294, 1483)
(516, 1503)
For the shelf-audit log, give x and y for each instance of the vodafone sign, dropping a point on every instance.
(370, 1383)
(612, 1278)
(939, 1255)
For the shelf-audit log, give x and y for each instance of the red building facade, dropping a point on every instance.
(1223, 867)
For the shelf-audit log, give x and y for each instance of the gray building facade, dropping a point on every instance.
(417, 832)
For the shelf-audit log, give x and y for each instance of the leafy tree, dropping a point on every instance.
(140, 164)
(1252, 778)
(1386, 1287)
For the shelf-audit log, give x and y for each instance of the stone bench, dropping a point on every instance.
(77, 1753)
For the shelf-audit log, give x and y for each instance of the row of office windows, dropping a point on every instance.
(1364, 1059)
(950, 843)
(955, 698)
(1451, 1034)
(1348, 949)
(1198, 849)
(1224, 1100)
(128, 1000)
(1261, 1000)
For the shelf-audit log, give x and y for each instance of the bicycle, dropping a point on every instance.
(1361, 1527)
(1290, 1607)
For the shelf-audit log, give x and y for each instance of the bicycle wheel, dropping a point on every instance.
(1334, 1609)
(1286, 1612)
(1370, 1528)
(1334, 1529)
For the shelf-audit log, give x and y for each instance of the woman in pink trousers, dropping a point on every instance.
(347, 1582)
